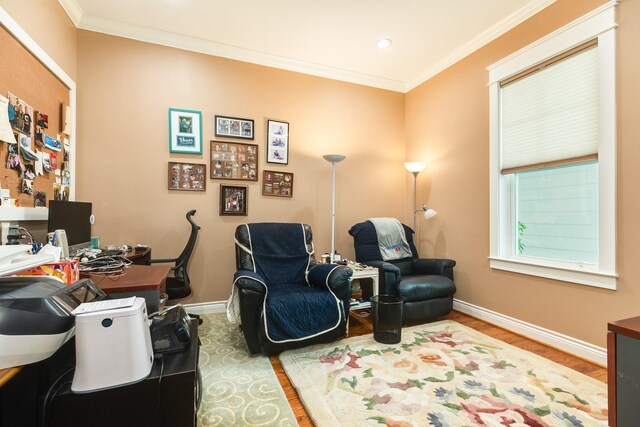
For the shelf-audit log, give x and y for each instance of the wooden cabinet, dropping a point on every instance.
(623, 370)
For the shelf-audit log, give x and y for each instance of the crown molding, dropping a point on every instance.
(481, 40)
(194, 44)
(73, 9)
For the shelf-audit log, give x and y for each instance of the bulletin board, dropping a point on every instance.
(32, 84)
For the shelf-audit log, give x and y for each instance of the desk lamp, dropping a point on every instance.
(333, 158)
(415, 168)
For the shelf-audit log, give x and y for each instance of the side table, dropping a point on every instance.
(365, 273)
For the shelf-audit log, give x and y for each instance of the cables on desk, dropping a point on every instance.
(107, 265)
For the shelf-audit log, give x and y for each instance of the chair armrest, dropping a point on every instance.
(331, 276)
(249, 281)
(389, 277)
(251, 291)
(441, 267)
(154, 261)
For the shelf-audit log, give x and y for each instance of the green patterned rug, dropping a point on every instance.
(442, 374)
(238, 389)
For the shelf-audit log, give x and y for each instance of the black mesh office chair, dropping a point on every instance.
(178, 283)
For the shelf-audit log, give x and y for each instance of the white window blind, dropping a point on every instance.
(551, 115)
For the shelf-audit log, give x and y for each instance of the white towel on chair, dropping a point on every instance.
(391, 239)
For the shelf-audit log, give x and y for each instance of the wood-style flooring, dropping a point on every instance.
(362, 325)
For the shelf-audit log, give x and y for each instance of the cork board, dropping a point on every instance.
(25, 77)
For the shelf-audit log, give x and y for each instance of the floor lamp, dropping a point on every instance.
(415, 168)
(333, 158)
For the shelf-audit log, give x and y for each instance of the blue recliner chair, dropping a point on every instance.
(426, 285)
(285, 299)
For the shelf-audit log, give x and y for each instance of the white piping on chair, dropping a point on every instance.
(264, 302)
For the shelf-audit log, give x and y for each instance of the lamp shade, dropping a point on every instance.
(429, 213)
(415, 166)
(333, 158)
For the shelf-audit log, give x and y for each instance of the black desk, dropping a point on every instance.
(168, 401)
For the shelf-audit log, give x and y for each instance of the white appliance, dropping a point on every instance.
(35, 316)
(113, 345)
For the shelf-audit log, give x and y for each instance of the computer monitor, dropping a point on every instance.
(75, 219)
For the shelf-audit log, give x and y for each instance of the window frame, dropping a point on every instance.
(600, 24)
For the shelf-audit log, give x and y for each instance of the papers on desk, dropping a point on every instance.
(93, 307)
(16, 258)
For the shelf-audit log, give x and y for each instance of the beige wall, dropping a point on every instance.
(50, 26)
(448, 124)
(125, 88)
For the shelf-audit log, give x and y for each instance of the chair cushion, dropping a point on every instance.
(296, 312)
(420, 288)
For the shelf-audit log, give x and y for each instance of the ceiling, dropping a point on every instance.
(328, 38)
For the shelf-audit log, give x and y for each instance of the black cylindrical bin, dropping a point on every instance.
(387, 318)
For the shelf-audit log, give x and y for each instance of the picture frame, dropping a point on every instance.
(233, 127)
(233, 200)
(277, 184)
(185, 131)
(187, 176)
(277, 142)
(234, 161)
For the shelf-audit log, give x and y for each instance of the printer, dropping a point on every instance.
(35, 316)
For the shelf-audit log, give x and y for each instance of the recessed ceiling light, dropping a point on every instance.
(383, 43)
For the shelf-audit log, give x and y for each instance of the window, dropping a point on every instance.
(556, 213)
(553, 154)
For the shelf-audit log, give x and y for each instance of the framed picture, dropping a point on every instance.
(187, 176)
(277, 142)
(233, 127)
(234, 160)
(233, 200)
(279, 184)
(185, 131)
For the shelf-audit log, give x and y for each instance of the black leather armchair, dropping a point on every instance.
(426, 285)
(285, 299)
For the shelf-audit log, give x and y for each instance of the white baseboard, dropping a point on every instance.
(206, 307)
(582, 349)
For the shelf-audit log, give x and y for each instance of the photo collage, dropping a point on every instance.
(234, 161)
(40, 160)
(228, 160)
(277, 184)
(187, 176)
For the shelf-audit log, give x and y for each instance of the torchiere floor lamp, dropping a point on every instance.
(333, 158)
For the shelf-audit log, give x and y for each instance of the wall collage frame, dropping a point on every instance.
(228, 160)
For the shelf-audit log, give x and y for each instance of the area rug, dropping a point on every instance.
(238, 389)
(441, 374)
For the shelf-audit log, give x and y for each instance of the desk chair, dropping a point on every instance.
(178, 283)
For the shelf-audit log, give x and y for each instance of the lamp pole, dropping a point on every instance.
(333, 158)
(415, 168)
(415, 195)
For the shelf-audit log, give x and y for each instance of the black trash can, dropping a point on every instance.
(387, 318)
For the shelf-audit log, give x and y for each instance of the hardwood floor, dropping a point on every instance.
(362, 325)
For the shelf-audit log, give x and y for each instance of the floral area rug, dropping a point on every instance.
(441, 374)
(239, 389)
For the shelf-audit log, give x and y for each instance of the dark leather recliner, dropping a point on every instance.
(426, 285)
(285, 299)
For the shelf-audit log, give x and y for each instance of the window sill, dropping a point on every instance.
(589, 278)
